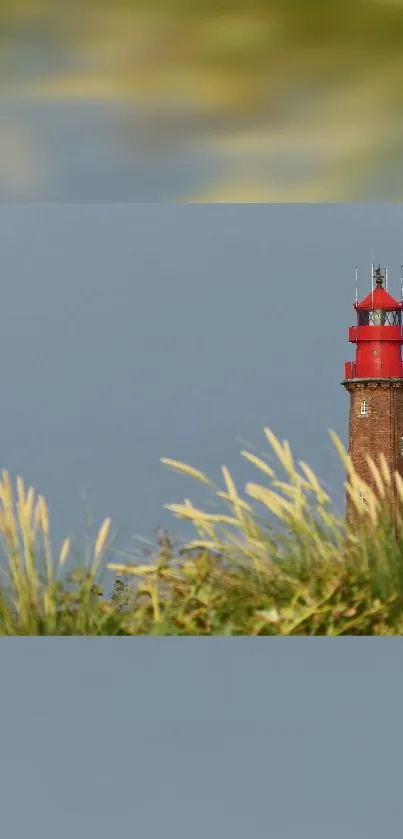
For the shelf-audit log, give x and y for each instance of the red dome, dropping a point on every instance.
(380, 299)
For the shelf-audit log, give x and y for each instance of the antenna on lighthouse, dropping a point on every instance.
(401, 280)
(372, 285)
(356, 285)
(386, 278)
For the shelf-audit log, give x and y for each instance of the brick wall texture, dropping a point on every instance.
(381, 430)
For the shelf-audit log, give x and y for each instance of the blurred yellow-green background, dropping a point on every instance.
(195, 100)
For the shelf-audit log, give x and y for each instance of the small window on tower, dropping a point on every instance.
(401, 446)
(362, 496)
(364, 408)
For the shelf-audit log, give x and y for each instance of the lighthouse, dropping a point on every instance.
(375, 384)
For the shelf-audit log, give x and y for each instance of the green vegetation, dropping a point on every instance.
(240, 576)
(263, 87)
(239, 55)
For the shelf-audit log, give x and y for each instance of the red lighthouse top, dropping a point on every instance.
(379, 298)
(378, 335)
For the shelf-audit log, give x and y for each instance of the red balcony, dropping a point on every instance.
(350, 370)
(374, 333)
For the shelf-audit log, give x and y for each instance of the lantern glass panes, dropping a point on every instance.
(380, 317)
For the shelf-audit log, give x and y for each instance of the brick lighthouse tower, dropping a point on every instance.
(375, 384)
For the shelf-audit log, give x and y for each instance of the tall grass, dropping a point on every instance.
(278, 560)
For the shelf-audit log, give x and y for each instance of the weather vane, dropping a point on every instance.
(379, 277)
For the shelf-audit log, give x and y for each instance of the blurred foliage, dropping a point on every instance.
(251, 49)
(324, 74)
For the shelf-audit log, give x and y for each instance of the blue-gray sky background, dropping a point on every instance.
(174, 739)
(133, 332)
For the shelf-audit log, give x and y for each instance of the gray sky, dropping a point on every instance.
(177, 739)
(132, 332)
